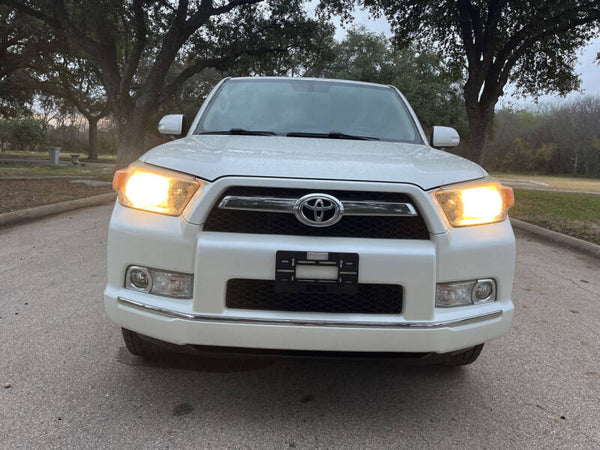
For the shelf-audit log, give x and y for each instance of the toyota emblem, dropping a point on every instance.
(318, 210)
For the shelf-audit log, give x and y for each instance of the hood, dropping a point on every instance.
(214, 156)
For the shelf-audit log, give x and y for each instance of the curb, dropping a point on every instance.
(558, 238)
(12, 217)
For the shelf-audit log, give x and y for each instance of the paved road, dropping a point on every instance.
(73, 385)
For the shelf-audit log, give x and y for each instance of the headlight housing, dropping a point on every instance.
(475, 204)
(162, 191)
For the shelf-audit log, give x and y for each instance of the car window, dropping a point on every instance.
(309, 106)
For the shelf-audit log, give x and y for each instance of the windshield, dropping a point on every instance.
(308, 108)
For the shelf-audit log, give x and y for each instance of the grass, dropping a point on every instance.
(574, 214)
(97, 173)
(44, 155)
(555, 182)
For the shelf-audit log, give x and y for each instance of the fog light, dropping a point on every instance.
(138, 278)
(464, 293)
(484, 291)
(159, 282)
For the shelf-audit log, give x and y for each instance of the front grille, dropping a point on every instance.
(261, 295)
(377, 227)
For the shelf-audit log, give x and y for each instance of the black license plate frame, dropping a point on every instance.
(288, 261)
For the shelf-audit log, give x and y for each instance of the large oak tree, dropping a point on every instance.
(432, 89)
(146, 50)
(531, 44)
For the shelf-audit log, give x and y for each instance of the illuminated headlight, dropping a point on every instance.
(475, 205)
(156, 190)
(159, 282)
(464, 293)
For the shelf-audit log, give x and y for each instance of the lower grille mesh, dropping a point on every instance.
(261, 295)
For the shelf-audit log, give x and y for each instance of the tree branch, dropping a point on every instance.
(33, 13)
(528, 33)
(172, 42)
(231, 5)
(138, 46)
(500, 74)
(468, 35)
(221, 63)
(491, 31)
(69, 29)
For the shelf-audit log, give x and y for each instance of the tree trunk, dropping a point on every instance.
(481, 119)
(132, 130)
(93, 137)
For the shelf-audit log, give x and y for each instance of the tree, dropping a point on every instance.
(530, 44)
(75, 83)
(34, 62)
(135, 44)
(423, 77)
(17, 48)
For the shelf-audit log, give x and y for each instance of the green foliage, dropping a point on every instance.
(422, 76)
(362, 56)
(270, 38)
(527, 156)
(562, 139)
(23, 133)
(17, 47)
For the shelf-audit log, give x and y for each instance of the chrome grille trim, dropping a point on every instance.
(286, 205)
(261, 204)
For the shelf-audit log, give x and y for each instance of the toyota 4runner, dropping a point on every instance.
(309, 215)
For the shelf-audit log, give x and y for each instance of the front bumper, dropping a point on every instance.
(182, 328)
(173, 243)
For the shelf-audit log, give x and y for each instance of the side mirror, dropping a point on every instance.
(444, 137)
(171, 125)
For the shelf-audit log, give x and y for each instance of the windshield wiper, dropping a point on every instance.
(333, 135)
(242, 132)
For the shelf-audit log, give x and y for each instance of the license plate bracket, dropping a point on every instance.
(318, 272)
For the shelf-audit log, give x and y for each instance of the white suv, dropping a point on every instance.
(309, 215)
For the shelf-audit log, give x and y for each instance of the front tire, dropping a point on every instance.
(463, 358)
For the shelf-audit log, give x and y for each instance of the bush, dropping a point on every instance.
(23, 133)
(562, 139)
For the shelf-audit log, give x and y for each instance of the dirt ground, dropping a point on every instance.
(27, 193)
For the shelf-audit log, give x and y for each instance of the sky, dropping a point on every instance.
(587, 68)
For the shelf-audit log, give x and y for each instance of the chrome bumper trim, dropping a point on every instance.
(286, 205)
(306, 322)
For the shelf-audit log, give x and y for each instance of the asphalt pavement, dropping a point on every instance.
(73, 384)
